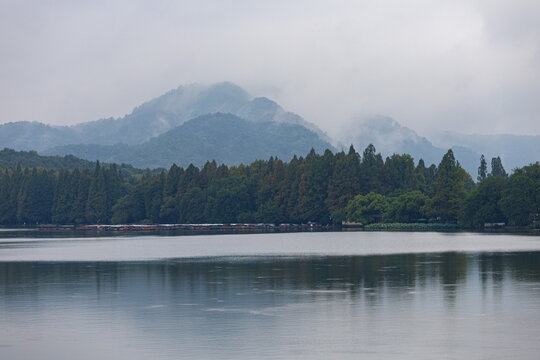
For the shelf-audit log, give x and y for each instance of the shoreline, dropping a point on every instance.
(265, 228)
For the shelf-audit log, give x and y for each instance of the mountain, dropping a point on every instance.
(119, 139)
(26, 135)
(225, 138)
(389, 137)
(514, 150)
(152, 118)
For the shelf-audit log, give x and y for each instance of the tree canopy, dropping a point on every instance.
(323, 188)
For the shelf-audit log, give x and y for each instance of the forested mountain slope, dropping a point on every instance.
(225, 138)
(151, 119)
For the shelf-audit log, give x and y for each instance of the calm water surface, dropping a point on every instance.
(277, 296)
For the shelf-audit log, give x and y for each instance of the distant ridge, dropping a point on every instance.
(120, 139)
(225, 138)
(390, 137)
(151, 119)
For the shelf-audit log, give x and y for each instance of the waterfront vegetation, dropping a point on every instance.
(394, 193)
(410, 227)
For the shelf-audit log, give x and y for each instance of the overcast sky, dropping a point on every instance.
(469, 66)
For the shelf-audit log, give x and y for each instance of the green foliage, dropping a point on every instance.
(344, 183)
(449, 190)
(400, 173)
(482, 169)
(406, 208)
(313, 187)
(410, 227)
(497, 168)
(366, 209)
(10, 159)
(191, 207)
(35, 196)
(30, 159)
(482, 205)
(372, 171)
(322, 188)
(519, 200)
(226, 199)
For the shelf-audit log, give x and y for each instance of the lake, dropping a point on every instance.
(328, 295)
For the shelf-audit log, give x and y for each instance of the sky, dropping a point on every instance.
(469, 66)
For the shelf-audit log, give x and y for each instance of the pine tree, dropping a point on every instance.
(313, 187)
(400, 173)
(96, 205)
(81, 184)
(449, 190)
(482, 169)
(372, 171)
(497, 168)
(344, 184)
(8, 198)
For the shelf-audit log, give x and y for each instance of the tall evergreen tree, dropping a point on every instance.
(96, 204)
(497, 168)
(8, 197)
(35, 197)
(344, 184)
(81, 182)
(313, 187)
(482, 169)
(449, 190)
(400, 173)
(372, 177)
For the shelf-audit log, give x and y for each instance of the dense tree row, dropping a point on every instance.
(514, 200)
(36, 196)
(497, 198)
(315, 188)
(322, 188)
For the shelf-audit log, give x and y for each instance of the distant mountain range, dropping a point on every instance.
(222, 122)
(225, 138)
(390, 137)
(151, 119)
(514, 150)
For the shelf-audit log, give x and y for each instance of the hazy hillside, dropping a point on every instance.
(34, 136)
(225, 138)
(514, 150)
(390, 137)
(152, 119)
(108, 139)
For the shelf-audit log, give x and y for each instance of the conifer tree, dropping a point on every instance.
(497, 168)
(482, 169)
(96, 205)
(372, 171)
(449, 190)
(344, 184)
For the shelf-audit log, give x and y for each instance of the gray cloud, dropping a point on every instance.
(471, 66)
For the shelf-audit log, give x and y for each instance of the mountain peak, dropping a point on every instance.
(162, 114)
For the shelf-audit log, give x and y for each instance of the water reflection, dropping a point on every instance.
(406, 306)
(401, 306)
(202, 280)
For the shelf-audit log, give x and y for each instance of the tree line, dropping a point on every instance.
(324, 188)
